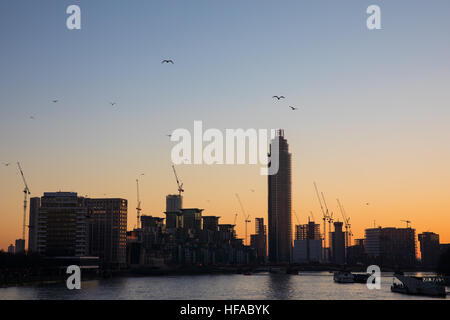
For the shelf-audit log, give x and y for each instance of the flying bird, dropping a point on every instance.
(169, 135)
(167, 61)
(279, 97)
(113, 103)
(293, 108)
(6, 164)
(32, 118)
(55, 101)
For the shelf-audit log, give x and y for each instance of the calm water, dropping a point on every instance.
(309, 285)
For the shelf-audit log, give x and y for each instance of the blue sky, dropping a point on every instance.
(363, 94)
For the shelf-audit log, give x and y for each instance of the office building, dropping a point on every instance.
(108, 230)
(395, 247)
(279, 202)
(62, 225)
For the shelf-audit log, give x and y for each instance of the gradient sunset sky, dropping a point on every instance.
(373, 124)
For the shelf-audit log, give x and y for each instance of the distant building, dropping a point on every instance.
(62, 225)
(258, 241)
(444, 247)
(356, 253)
(174, 219)
(310, 231)
(307, 250)
(279, 203)
(20, 246)
(35, 204)
(337, 240)
(395, 247)
(429, 249)
(108, 230)
(11, 249)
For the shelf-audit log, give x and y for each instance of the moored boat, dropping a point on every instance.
(343, 277)
(426, 286)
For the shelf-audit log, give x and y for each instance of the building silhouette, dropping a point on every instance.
(62, 225)
(258, 241)
(108, 230)
(307, 243)
(430, 249)
(279, 204)
(394, 247)
(337, 240)
(35, 204)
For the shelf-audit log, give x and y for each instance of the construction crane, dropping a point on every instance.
(312, 216)
(348, 231)
(235, 218)
(324, 218)
(408, 223)
(329, 213)
(246, 217)
(26, 192)
(180, 185)
(138, 207)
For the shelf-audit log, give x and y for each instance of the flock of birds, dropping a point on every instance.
(170, 61)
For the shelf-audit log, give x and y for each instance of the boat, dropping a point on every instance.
(343, 277)
(425, 286)
(361, 277)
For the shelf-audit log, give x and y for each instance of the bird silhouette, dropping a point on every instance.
(169, 135)
(279, 97)
(32, 118)
(55, 101)
(293, 108)
(167, 61)
(6, 164)
(113, 103)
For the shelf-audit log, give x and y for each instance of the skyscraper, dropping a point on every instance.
(279, 203)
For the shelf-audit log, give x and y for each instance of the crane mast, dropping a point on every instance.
(246, 217)
(324, 218)
(26, 192)
(179, 184)
(138, 207)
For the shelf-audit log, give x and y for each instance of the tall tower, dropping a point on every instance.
(279, 203)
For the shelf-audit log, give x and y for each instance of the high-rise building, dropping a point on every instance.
(35, 204)
(430, 249)
(108, 230)
(11, 249)
(338, 244)
(279, 203)
(394, 247)
(62, 225)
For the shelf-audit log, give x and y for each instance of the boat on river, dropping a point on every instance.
(425, 286)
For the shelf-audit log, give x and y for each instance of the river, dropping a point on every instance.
(263, 286)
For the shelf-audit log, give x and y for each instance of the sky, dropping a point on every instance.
(372, 125)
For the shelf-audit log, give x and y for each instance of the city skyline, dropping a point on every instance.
(372, 126)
